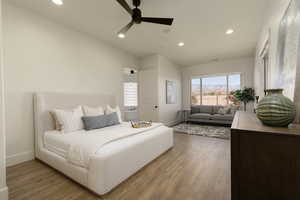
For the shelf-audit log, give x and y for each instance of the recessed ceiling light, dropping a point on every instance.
(181, 44)
(58, 2)
(121, 35)
(229, 31)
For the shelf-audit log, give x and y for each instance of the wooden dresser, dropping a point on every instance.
(265, 161)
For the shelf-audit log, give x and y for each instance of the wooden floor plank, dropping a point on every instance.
(196, 168)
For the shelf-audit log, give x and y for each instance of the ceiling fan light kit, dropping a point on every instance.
(137, 18)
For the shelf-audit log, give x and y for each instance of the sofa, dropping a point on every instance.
(212, 114)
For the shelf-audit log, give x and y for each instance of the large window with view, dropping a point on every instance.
(214, 90)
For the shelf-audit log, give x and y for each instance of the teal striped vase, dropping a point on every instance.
(276, 109)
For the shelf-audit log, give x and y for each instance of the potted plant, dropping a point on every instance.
(232, 100)
(245, 95)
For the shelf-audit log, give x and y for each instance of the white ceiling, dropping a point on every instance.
(201, 24)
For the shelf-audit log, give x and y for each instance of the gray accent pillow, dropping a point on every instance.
(206, 109)
(101, 121)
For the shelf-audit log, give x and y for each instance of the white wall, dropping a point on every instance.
(168, 113)
(163, 70)
(245, 66)
(149, 62)
(289, 77)
(270, 31)
(39, 56)
(3, 188)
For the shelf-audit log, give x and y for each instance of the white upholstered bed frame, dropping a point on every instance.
(115, 163)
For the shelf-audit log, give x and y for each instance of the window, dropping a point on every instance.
(130, 94)
(196, 88)
(214, 90)
(234, 82)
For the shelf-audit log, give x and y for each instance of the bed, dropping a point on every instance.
(113, 162)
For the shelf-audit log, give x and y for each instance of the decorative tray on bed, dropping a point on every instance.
(141, 124)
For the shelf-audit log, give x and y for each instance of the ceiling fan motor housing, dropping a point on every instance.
(137, 16)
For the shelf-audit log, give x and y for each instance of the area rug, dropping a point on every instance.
(203, 130)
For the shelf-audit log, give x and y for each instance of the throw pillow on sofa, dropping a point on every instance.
(206, 109)
(221, 111)
(225, 110)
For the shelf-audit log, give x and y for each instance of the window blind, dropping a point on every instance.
(130, 94)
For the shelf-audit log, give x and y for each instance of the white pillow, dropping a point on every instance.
(221, 111)
(57, 126)
(93, 111)
(69, 120)
(110, 110)
(224, 110)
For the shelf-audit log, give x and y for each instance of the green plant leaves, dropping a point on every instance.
(245, 95)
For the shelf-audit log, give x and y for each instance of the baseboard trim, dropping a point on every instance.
(4, 193)
(19, 158)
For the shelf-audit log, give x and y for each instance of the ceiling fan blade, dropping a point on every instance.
(126, 28)
(125, 5)
(164, 21)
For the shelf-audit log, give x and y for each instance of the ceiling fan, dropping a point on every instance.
(137, 17)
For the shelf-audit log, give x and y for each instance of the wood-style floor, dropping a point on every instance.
(197, 168)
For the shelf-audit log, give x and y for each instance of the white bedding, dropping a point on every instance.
(79, 146)
(57, 143)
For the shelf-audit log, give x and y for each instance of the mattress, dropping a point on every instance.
(59, 143)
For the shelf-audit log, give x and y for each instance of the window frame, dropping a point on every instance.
(214, 75)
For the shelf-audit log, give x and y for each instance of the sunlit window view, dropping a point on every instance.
(196, 89)
(214, 90)
(234, 82)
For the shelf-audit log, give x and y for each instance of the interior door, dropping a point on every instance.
(148, 93)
